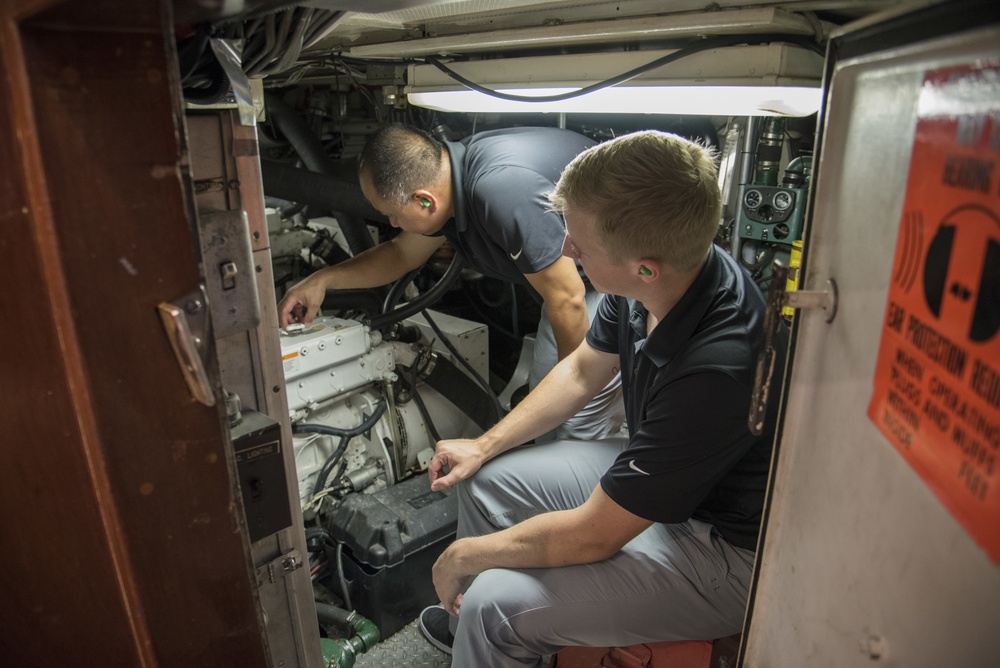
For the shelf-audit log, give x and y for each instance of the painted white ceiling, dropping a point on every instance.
(464, 17)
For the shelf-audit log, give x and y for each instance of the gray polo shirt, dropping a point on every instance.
(503, 224)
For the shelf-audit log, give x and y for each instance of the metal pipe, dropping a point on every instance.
(343, 652)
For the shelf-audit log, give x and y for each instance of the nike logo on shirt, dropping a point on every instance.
(632, 466)
(514, 256)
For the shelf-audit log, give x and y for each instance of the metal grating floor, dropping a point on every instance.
(405, 648)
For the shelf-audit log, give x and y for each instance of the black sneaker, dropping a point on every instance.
(434, 626)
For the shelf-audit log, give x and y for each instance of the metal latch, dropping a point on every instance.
(187, 328)
(229, 271)
(824, 299)
(777, 298)
(283, 565)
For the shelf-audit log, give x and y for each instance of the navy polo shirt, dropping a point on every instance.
(503, 224)
(687, 389)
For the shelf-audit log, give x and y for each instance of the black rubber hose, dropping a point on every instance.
(356, 233)
(215, 91)
(294, 128)
(494, 400)
(345, 591)
(345, 437)
(423, 301)
(369, 301)
(310, 149)
(323, 192)
(397, 290)
(431, 428)
(331, 614)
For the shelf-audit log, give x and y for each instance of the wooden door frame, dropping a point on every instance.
(124, 542)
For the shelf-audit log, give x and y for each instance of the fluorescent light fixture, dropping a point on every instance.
(685, 100)
(770, 80)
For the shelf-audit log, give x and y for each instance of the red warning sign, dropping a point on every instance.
(937, 379)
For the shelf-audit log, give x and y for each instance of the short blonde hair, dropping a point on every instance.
(655, 195)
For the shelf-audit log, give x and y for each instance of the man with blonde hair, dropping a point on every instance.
(614, 542)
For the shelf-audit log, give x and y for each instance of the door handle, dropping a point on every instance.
(189, 342)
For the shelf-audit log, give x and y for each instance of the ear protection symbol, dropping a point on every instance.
(644, 270)
(425, 202)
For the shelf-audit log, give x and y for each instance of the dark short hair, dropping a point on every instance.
(400, 159)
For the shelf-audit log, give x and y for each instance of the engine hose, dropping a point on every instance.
(325, 193)
(768, 157)
(473, 398)
(343, 652)
(216, 89)
(344, 590)
(293, 126)
(366, 300)
(356, 233)
(310, 149)
(397, 290)
(331, 614)
(425, 300)
(345, 437)
(464, 362)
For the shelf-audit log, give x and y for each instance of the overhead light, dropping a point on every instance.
(768, 80)
(683, 100)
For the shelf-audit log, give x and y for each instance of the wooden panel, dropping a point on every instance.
(57, 557)
(128, 532)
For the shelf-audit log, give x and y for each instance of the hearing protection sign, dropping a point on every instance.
(937, 379)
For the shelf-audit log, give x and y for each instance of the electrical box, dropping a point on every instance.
(257, 445)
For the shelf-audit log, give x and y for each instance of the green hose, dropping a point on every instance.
(343, 652)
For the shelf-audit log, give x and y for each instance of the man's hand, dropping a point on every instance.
(463, 458)
(302, 302)
(449, 580)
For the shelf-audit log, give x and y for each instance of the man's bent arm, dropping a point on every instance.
(377, 266)
(565, 302)
(562, 393)
(592, 532)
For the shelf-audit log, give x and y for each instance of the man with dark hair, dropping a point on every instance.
(486, 196)
(613, 542)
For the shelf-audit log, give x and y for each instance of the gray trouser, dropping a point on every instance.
(604, 415)
(671, 582)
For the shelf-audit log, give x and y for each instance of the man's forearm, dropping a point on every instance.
(543, 541)
(569, 324)
(561, 394)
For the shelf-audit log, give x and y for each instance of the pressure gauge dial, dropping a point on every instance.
(752, 199)
(782, 201)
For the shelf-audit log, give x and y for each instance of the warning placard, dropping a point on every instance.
(937, 380)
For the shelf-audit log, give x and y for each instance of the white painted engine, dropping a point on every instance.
(358, 424)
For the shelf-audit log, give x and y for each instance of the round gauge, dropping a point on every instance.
(782, 201)
(752, 199)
